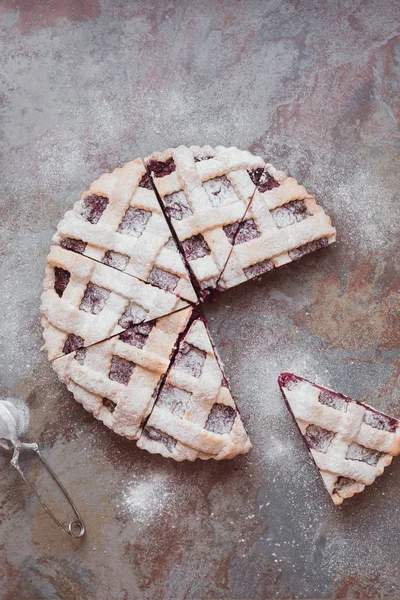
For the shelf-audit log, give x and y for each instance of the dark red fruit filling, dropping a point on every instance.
(162, 279)
(341, 482)
(371, 457)
(134, 221)
(72, 343)
(61, 280)
(263, 180)
(158, 436)
(200, 157)
(176, 206)
(307, 248)
(239, 233)
(80, 355)
(93, 207)
(145, 182)
(190, 359)
(71, 244)
(380, 421)
(258, 269)
(174, 399)
(318, 438)
(109, 404)
(221, 419)
(161, 169)
(195, 247)
(94, 299)
(133, 315)
(288, 380)
(333, 400)
(220, 191)
(290, 213)
(121, 370)
(137, 335)
(115, 260)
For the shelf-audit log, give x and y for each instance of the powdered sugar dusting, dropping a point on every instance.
(146, 499)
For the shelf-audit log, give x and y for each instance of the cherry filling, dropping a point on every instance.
(121, 370)
(134, 221)
(176, 206)
(221, 419)
(137, 335)
(356, 452)
(61, 280)
(263, 180)
(71, 244)
(307, 248)
(161, 169)
(290, 213)
(162, 279)
(220, 191)
(116, 260)
(195, 247)
(241, 232)
(199, 157)
(133, 315)
(380, 421)
(145, 182)
(174, 399)
(94, 299)
(341, 482)
(72, 343)
(109, 404)
(93, 207)
(158, 436)
(318, 438)
(333, 400)
(258, 269)
(190, 360)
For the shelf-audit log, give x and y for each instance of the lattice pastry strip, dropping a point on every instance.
(85, 302)
(282, 224)
(205, 193)
(119, 222)
(350, 442)
(195, 415)
(117, 380)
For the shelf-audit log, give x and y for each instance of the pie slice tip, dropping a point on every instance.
(350, 442)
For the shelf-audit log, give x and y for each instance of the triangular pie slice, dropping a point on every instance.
(350, 442)
(117, 380)
(195, 415)
(119, 222)
(283, 223)
(85, 302)
(205, 193)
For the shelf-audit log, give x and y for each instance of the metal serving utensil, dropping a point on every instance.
(11, 423)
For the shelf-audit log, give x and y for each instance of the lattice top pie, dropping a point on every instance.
(195, 415)
(128, 263)
(350, 442)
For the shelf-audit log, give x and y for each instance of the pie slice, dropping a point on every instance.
(195, 415)
(117, 380)
(119, 222)
(283, 223)
(85, 302)
(205, 193)
(350, 442)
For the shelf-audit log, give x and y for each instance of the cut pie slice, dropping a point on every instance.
(350, 442)
(205, 193)
(283, 223)
(119, 222)
(117, 380)
(85, 302)
(195, 415)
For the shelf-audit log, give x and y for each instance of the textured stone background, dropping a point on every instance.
(314, 87)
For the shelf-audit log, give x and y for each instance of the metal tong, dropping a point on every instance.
(9, 424)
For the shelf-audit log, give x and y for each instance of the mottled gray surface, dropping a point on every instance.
(314, 87)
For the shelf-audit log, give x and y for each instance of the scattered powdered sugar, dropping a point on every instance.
(19, 411)
(147, 499)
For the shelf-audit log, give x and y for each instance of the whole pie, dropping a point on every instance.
(350, 442)
(127, 272)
